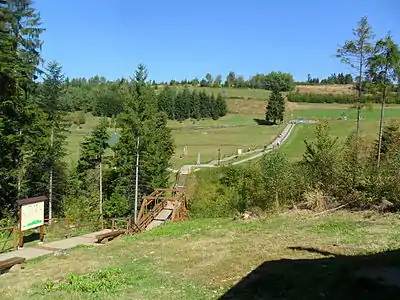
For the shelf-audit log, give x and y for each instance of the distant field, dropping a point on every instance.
(369, 126)
(229, 133)
(206, 136)
(326, 89)
(247, 93)
(239, 129)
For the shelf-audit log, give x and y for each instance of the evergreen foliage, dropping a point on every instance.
(185, 104)
(275, 108)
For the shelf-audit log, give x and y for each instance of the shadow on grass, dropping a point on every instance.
(264, 122)
(375, 276)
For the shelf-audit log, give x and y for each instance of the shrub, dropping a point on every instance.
(80, 118)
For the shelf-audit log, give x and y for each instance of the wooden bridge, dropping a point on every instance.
(160, 206)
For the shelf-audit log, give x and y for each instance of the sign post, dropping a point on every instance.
(31, 215)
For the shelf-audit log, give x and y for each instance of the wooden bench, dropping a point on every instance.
(105, 237)
(8, 263)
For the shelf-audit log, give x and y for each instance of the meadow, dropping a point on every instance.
(339, 127)
(204, 258)
(239, 129)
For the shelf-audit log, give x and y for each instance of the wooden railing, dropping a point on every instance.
(67, 227)
(8, 238)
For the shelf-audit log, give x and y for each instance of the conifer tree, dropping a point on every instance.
(19, 59)
(142, 120)
(275, 108)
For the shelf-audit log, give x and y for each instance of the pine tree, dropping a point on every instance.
(222, 107)
(155, 147)
(93, 148)
(275, 109)
(195, 105)
(48, 160)
(19, 58)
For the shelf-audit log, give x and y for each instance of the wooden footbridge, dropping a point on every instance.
(161, 206)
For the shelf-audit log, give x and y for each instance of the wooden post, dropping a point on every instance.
(41, 233)
(21, 233)
(112, 224)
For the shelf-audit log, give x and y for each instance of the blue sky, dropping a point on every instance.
(187, 39)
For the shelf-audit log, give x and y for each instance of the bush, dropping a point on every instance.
(209, 198)
(117, 206)
(80, 118)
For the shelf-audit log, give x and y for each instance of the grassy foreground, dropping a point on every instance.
(203, 259)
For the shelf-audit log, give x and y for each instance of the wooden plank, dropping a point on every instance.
(111, 234)
(8, 263)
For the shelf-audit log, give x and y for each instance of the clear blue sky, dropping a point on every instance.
(187, 39)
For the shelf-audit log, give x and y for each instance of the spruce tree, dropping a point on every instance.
(195, 105)
(275, 109)
(222, 107)
(142, 120)
(48, 176)
(19, 59)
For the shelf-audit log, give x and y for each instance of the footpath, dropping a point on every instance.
(32, 252)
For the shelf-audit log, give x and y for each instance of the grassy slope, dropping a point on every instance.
(229, 133)
(250, 103)
(202, 259)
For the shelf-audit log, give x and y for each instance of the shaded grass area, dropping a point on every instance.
(204, 258)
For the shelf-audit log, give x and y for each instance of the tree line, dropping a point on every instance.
(185, 104)
(334, 78)
(281, 81)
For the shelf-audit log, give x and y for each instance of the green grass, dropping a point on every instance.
(205, 136)
(294, 147)
(229, 133)
(203, 258)
(351, 113)
(241, 131)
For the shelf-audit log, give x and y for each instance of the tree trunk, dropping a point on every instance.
(359, 91)
(381, 126)
(51, 180)
(101, 192)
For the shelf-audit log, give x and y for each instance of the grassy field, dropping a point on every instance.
(206, 136)
(292, 256)
(239, 129)
(229, 133)
(369, 125)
